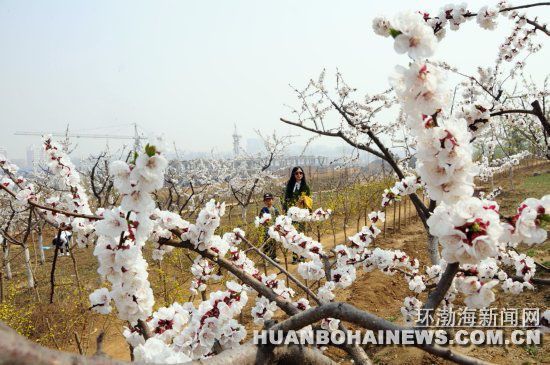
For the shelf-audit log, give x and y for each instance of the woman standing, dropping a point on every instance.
(296, 190)
(297, 193)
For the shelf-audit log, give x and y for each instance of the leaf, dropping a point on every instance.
(150, 150)
(394, 32)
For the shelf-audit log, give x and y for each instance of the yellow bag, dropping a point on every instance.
(305, 202)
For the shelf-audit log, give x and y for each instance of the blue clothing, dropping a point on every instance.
(273, 211)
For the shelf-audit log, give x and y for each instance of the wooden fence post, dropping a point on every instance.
(399, 217)
(394, 215)
(409, 207)
(405, 210)
(385, 220)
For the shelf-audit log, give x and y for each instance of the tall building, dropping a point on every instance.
(236, 142)
(35, 157)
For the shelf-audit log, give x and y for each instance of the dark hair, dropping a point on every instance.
(292, 181)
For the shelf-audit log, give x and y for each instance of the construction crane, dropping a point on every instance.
(136, 137)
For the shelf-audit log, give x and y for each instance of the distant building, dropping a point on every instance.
(30, 155)
(35, 157)
(236, 142)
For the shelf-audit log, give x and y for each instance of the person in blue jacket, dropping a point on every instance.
(270, 248)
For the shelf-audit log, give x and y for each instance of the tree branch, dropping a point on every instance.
(17, 350)
(442, 287)
(349, 313)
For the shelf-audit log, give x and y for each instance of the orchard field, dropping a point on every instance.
(58, 325)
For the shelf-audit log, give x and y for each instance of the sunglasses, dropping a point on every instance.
(298, 173)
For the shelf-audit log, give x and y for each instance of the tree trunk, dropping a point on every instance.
(243, 214)
(433, 250)
(28, 268)
(52, 273)
(41, 248)
(7, 266)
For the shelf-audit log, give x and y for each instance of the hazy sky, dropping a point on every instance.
(191, 69)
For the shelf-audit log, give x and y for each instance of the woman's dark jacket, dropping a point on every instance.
(291, 198)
